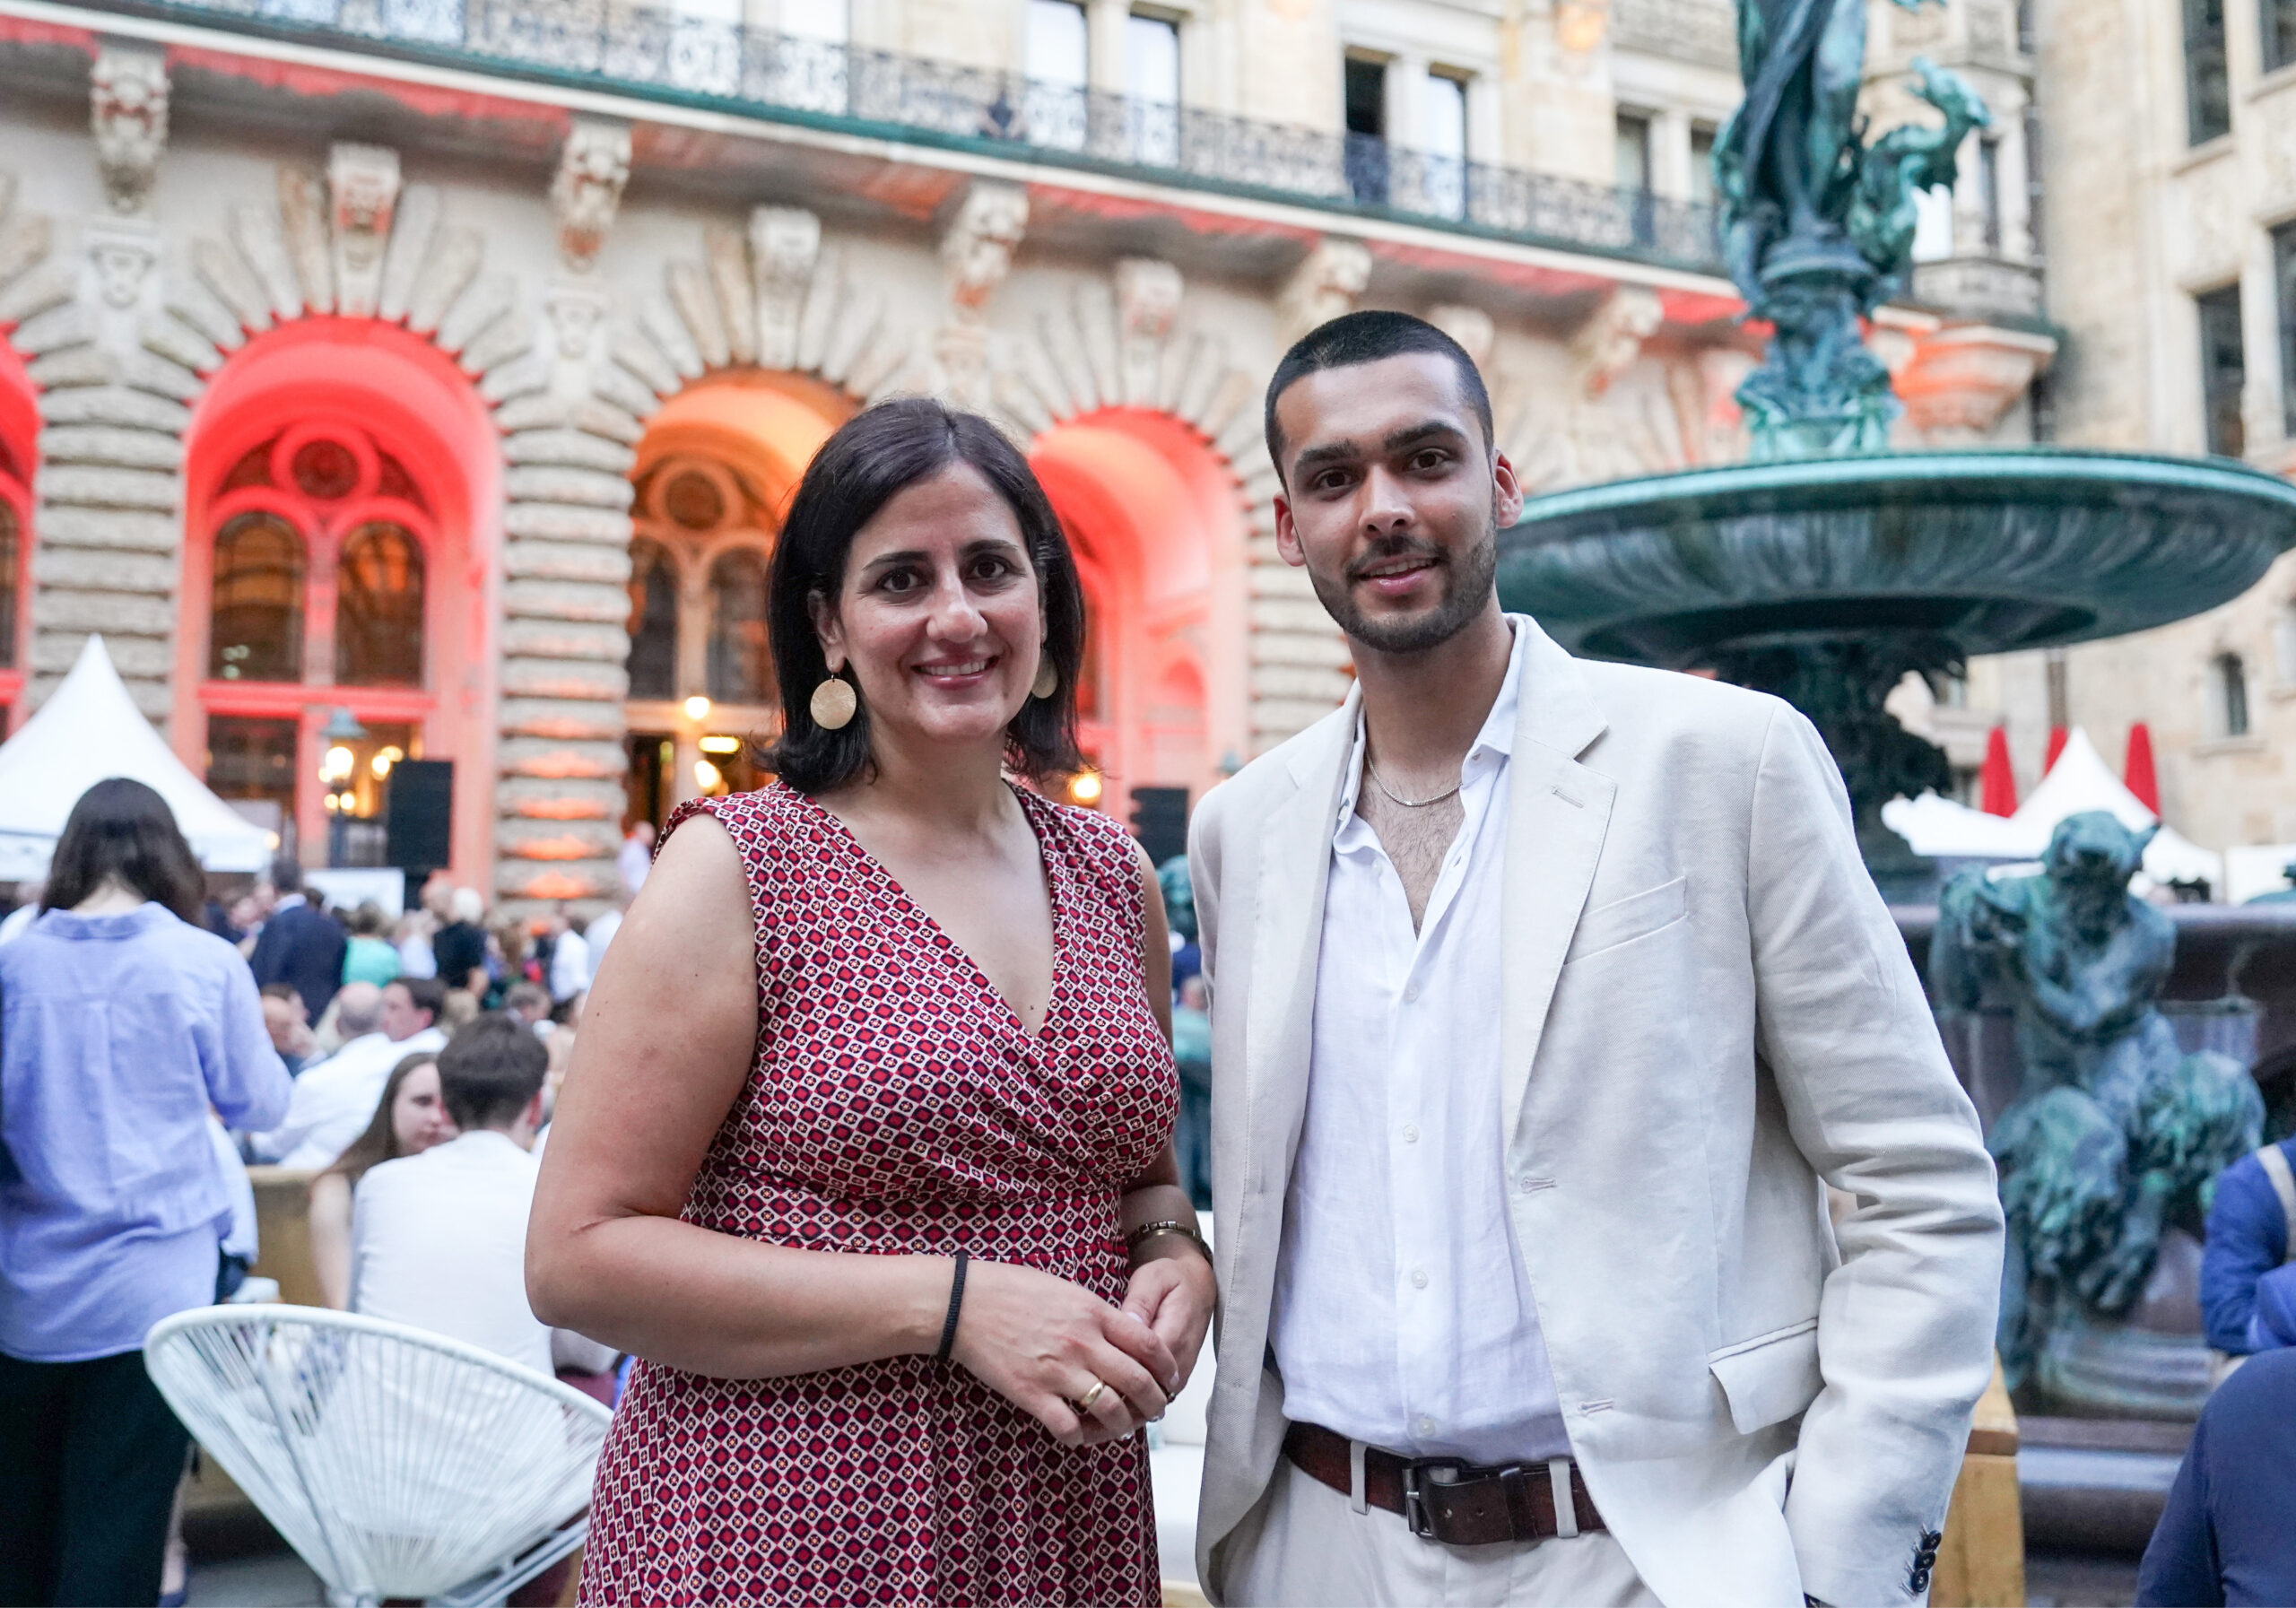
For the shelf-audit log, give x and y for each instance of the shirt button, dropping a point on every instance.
(1419, 1278)
(1423, 1425)
(1410, 1133)
(1411, 994)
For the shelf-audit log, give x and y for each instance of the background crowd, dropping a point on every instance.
(158, 1042)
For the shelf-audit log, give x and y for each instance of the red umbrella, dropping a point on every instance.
(2057, 736)
(2138, 772)
(1996, 785)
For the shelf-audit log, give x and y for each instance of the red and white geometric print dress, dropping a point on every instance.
(898, 1106)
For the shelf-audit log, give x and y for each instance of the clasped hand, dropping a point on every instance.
(1043, 1343)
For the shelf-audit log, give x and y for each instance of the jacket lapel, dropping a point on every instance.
(1558, 811)
(1294, 869)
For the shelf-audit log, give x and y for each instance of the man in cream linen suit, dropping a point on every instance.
(1546, 993)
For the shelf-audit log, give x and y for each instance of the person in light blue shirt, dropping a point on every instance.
(122, 1025)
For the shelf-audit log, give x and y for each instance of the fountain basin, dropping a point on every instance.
(1960, 551)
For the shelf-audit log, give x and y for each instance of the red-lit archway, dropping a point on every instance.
(18, 448)
(1153, 514)
(715, 472)
(343, 490)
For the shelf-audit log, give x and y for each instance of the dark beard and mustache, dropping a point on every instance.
(1470, 578)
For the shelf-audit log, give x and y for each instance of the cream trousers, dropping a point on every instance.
(1315, 1551)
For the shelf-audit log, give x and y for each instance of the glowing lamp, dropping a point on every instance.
(721, 745)
(706, 776)
(697, 708)
(1085, 787)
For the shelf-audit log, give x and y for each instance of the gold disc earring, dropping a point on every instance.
(1048, 681)
(834, 703)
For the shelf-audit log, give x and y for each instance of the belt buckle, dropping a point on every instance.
(1416, 1517)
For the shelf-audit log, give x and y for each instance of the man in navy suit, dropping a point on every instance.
(300, 944)
(2226, 1537)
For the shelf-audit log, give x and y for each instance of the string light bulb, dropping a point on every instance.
(1085, 787)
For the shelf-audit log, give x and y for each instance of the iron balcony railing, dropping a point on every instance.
(728, 65)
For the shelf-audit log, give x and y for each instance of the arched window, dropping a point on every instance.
(2231, 677)
(379, 609)
(652, 622)
(255, 617)
(741, 664)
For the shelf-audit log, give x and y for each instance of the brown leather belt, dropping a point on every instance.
(1442, 1499)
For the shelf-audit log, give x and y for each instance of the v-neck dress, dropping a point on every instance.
(897, 1106)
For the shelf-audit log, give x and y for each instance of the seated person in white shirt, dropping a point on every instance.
(438, 1240)
(336, 1099)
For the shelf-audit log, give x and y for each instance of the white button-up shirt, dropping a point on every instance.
(1403, 1317)
(439, 1241)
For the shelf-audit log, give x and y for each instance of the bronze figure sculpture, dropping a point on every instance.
(1817, 226)
(2117, 1134)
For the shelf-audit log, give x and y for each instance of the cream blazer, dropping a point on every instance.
(1710, 1011)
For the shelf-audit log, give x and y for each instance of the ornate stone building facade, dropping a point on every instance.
(449, 362)
(2170, 168)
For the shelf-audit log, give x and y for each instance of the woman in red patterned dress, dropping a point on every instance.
(865, 1149)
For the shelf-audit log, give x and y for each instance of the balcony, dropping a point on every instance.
(725, 67)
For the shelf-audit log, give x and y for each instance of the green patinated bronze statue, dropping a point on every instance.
(1817, 226)
(2116, 1133)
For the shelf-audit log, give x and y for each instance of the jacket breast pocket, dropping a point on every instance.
(1624, 920)
(1770, 1377)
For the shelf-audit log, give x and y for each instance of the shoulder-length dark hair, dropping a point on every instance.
(122, 830)
(858, 470)
(379, 1143)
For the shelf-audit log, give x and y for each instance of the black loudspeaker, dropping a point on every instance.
(419, 816)
(1159, 820)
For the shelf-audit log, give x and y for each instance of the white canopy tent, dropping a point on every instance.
(91, 729)
(2079, 781)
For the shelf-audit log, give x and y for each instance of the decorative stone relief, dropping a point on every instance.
(785, 248)
(794, 301)
(122, 258)
(1606, 345)
(1147, 304)
(1617, 416)
(976, 256)
(575, 314)
(1962, 381)
(593, 166)
(1324, 285)
(1472, 328)
(362, 190)
(127, 104)
(977, 248)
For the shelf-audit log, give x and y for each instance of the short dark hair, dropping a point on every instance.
(873, 456)
(1367, 337)
(280, 991)
(123, 830)
(427, 993)
(286, 874)
(490, 1069)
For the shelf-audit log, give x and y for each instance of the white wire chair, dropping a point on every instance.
(396, 1462)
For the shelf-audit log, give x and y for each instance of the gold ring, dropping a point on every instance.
(1084, 1403)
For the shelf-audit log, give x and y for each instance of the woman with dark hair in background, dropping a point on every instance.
(124, 1023)
(866, 1145)
(409, 1119)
